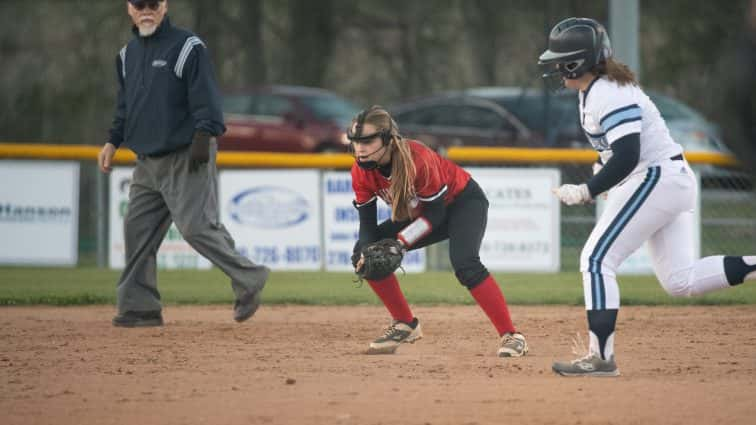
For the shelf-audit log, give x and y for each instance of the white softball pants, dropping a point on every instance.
(656, 207)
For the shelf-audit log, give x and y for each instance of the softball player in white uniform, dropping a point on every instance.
(651, 188)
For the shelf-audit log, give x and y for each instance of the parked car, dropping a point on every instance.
(529, 118)
(458, 119)
(286, 119)
(688, 127)
(553, 117)
(526, 117)
(562, 127)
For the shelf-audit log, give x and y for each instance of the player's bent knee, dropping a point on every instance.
(677, 284)
(471, 276)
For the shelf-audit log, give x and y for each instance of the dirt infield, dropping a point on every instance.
(304, 365)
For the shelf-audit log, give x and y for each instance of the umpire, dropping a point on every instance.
(168, 112)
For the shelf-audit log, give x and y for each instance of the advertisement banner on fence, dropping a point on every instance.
(274, 216)
(174, 252)
(39, 212)
(341, 225)
(523, 219)
(640, 262)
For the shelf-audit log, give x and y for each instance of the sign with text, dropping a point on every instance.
(274, 216)
(174, 252)
(523, 219)
(39, 212)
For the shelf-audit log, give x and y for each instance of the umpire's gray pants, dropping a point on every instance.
(162, 190)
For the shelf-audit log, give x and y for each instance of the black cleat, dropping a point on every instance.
(138, 319)
(246, 307)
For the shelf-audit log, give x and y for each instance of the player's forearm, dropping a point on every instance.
(434, 213)
(625, 154)
(368, 214)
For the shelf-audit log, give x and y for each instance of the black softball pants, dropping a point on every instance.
(464, 226)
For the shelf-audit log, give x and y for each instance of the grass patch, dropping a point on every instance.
(82, 286)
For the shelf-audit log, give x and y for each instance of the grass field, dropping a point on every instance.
(80, 286)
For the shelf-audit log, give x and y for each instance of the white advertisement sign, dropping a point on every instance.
(174, 252)
(341, 224)
(39, 212)
(639, 262)
(274, 216)
(523, 219)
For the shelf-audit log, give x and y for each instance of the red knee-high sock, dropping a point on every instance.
(389, 292)
(491, 300)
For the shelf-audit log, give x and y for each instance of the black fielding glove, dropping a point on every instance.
(380, 259)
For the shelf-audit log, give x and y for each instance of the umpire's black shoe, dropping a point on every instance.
(246, 307)
(138, 319)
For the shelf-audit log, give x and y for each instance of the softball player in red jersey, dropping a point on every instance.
(651, 190)
(431, 199)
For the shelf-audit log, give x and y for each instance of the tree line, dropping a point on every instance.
(58, 81)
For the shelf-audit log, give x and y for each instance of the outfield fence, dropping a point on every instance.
(727, 207)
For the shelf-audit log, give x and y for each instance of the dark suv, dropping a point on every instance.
(458, 119)
(286, 119)
(527, 117)
(555, 117)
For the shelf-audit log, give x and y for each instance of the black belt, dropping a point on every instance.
(161, 154)
(678, 157)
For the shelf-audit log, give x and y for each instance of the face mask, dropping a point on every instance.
(367, 165)
(371, 165)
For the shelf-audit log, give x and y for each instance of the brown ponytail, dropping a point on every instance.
(403, 174)
(616, 71)
(403, 171)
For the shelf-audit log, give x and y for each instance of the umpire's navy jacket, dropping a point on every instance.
(166, 91)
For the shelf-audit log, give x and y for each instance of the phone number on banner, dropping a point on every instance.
(272, 255)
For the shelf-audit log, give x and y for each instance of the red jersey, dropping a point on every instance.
(434, 176)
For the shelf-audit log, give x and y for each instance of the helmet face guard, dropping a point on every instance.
(365, 138)
(555, 72)
(354, 132)
(355, 135)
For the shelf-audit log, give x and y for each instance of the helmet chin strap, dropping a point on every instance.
(372, 165)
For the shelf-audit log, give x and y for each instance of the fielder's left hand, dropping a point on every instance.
(573, 194)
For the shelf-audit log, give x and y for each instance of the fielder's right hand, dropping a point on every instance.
(105, 157)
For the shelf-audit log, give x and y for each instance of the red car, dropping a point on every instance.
(286, 119)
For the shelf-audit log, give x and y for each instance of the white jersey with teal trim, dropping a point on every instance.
(609, 112)
(653, 205)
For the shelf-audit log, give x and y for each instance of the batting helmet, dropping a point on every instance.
(576, 45)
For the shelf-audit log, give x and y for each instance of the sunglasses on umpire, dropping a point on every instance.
(141, 4)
